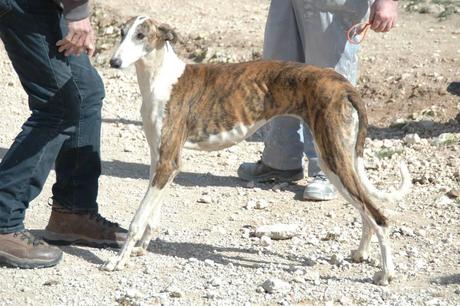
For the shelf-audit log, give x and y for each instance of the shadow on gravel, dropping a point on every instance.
(424, 129)
(190, 179)
(453, 279)
(223, 255)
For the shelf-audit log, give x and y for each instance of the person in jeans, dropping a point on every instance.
(49, 44)
(312, 32)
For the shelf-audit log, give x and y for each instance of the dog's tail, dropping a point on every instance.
(404, 187)
(364, 190)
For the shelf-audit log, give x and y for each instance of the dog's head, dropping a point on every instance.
(140, 36)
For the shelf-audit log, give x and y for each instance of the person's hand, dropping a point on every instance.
(383, 15)
(79, 39)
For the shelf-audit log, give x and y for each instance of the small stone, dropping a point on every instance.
(209, 295)
(260, 289)
(406, 231)
(336, 260)
(216, 282)
(453, 194)
(205, 199)
(412, 139)
(388, 143)
(265, 241)
(444, 138)
(296, 240)
(132, 293)
(420, 232)
(51, 283)
(251, 204)
(276, 285)
(261, 204)
(298, 279)
(444, 201)
(280, 186)
(209, 262)
(377, 144)
(175, 294)
(313, 276)
(313, 241)
(277, 231)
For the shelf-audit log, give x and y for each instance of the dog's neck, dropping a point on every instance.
(157, 72)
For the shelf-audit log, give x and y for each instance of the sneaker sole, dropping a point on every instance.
(60, 239)
(16, 262)
(313, 198)
(272, 176)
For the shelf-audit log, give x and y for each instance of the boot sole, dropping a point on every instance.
(61, 239)
(16, 262)
(276, 176)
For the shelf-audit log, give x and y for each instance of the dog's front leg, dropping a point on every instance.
(166, 169)
(152, 228)
(137, 228)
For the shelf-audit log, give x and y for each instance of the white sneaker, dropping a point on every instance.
(320, 189)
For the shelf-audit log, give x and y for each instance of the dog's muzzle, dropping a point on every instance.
(115, 63)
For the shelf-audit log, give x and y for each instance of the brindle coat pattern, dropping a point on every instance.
(213, 97)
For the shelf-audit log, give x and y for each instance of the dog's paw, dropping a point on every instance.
(358, 256)
(138, 251)
(382, 278)
(112, 265)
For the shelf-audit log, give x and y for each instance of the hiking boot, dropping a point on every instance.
(320, 189)
(82, 228)
(259, 172)
(24, 250)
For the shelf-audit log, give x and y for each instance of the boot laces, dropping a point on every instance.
(100, 219)
(28, 237)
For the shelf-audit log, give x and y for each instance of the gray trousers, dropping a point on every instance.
(313, 32)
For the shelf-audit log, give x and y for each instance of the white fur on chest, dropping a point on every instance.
(157, 75)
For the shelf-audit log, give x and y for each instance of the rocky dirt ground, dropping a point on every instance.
(204, 254)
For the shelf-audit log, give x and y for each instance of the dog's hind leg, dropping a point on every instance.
(387, 273)
(362, 253)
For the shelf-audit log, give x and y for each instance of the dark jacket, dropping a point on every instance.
(75, 9)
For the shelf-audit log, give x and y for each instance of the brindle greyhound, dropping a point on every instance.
(214, 106)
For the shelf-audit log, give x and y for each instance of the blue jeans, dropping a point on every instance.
(65, 99)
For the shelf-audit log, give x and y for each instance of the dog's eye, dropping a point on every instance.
(140, 36)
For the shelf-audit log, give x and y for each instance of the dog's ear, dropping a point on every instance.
(167, 33)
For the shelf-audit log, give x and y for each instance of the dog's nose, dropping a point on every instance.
(115, 63)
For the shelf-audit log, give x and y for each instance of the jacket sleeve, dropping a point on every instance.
(75, 9)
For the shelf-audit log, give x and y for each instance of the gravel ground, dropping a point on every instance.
(204, 254)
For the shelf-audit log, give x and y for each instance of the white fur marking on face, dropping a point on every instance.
(131, 50)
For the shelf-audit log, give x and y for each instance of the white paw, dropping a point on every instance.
(358, 256)
(113, 264)
(138, 251)
(382, 278)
